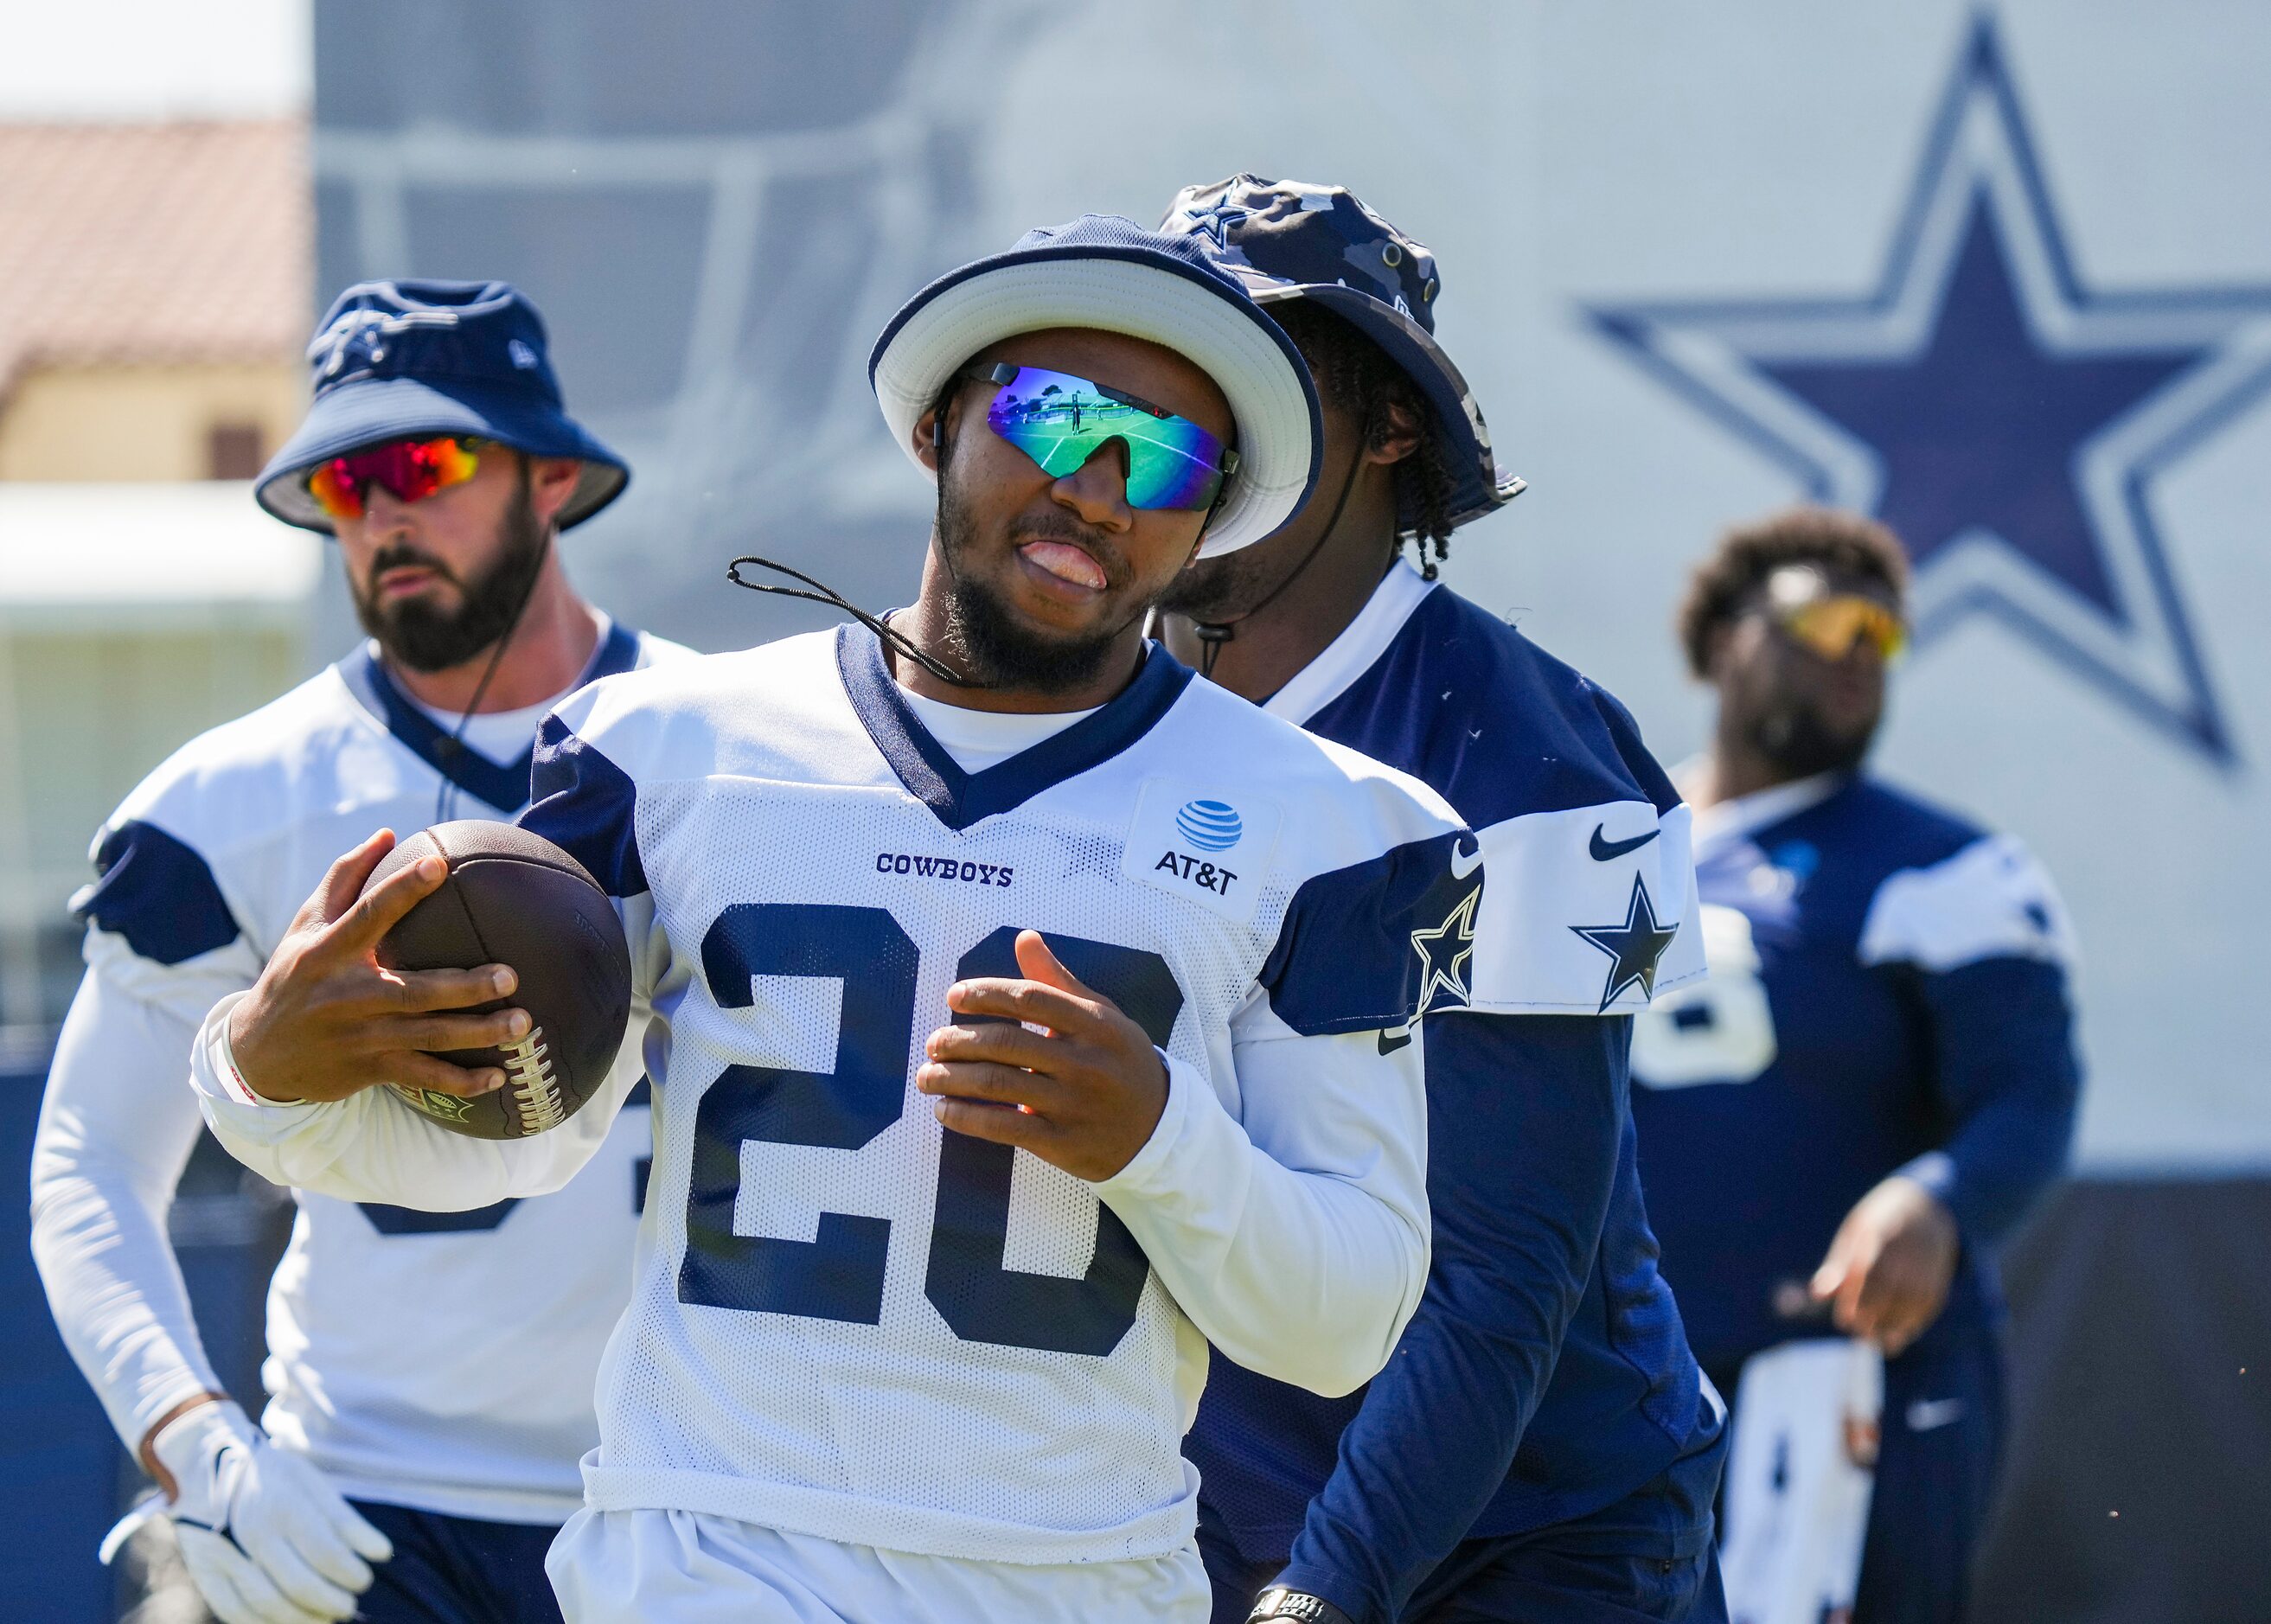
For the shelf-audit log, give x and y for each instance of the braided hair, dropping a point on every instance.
(1355, 375)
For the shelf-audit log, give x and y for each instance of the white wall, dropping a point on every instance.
(716, 271)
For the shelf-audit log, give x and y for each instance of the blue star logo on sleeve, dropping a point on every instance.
(2004, 419)
(1634, 946)
(1444, 955)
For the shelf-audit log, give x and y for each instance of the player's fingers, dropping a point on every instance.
(981, 1080)
(421, 992)
(999, 1041)
(443, 1033)
(299, 1582)
(362, 1537)
(248, 1595)
(409, 1069)
(1041, 964)
(1846, 1255)
(249, 1598)
(336, 891)
(378, 909)
(1852, 1309)
(214, 1565)
(1839, 1279)
(319, 1536)
(1831, 1275)
(1001, 1124)
(1025, 1001)
(350, 871)
(1898, 1301)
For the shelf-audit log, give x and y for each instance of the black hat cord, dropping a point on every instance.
(818, 592)
(821, 592)
(450, 748)
(1213, 634)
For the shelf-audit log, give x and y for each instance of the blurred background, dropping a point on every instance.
(1668, 236)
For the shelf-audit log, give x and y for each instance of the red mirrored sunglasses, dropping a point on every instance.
(411, 469)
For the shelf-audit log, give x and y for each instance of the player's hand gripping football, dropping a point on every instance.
(326, 1018)
(1888, 1271)
(1084, 1095)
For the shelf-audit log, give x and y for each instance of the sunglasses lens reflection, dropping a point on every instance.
(1830, 627)
(411, 469)
(1060, 421)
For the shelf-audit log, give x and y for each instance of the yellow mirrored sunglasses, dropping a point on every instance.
(1830, 625)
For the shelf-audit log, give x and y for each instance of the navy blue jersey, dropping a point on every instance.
(1545, 1374)
(1888, 992)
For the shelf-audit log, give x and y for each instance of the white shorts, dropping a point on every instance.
(685, 1568)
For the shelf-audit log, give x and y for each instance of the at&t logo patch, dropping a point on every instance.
(1199, 846)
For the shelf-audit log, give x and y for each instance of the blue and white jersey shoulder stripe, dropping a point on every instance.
(401, 1357)
(207, 849)
(1590, 904)
(1930, 889)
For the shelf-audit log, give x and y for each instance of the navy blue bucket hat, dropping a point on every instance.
(398, 361)
(1295, 239)
(1108, 273)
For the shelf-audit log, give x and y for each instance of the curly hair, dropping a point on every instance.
(1355, 375)
(1843, 542)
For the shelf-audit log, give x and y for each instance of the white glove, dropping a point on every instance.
(267, 1537)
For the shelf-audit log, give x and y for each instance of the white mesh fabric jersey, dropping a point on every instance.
(438, 1360)
(848, 1322)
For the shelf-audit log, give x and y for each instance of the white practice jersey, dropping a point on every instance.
(852, 1324)
(440, 1361)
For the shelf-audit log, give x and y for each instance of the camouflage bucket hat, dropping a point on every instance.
(1295, 239)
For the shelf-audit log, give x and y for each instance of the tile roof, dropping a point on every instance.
(154, 243)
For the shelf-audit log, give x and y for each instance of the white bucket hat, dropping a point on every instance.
(1108, 273)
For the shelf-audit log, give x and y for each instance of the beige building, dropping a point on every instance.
(154, 292)
(155, 288)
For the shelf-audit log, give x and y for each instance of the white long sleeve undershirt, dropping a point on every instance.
(117, 1127)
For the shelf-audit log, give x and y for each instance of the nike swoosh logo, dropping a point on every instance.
(1929, 1414)
(1391, 1041)
(1609, 851)
(1465, 864)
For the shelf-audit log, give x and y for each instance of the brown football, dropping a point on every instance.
(512, 897)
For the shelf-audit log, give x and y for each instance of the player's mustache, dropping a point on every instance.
(409, 557)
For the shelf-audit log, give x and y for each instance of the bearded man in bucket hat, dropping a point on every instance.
(429, 1374)
(1028, 1013)
(1542, 1445)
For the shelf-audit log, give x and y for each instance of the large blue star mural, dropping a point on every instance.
(2005, 418)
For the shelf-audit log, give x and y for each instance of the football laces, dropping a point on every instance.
(536, 1101)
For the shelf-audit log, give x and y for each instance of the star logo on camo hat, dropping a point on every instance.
(1297, 240)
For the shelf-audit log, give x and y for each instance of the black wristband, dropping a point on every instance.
(1277, 1602)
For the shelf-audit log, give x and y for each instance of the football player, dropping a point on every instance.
(429, 1373)
(1540, 1447)
(1878, 1078)
(1027, 1014)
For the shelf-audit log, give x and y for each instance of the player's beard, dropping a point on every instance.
(420, 635)
(983, 634)
(1216, 590)
(1793, 736)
